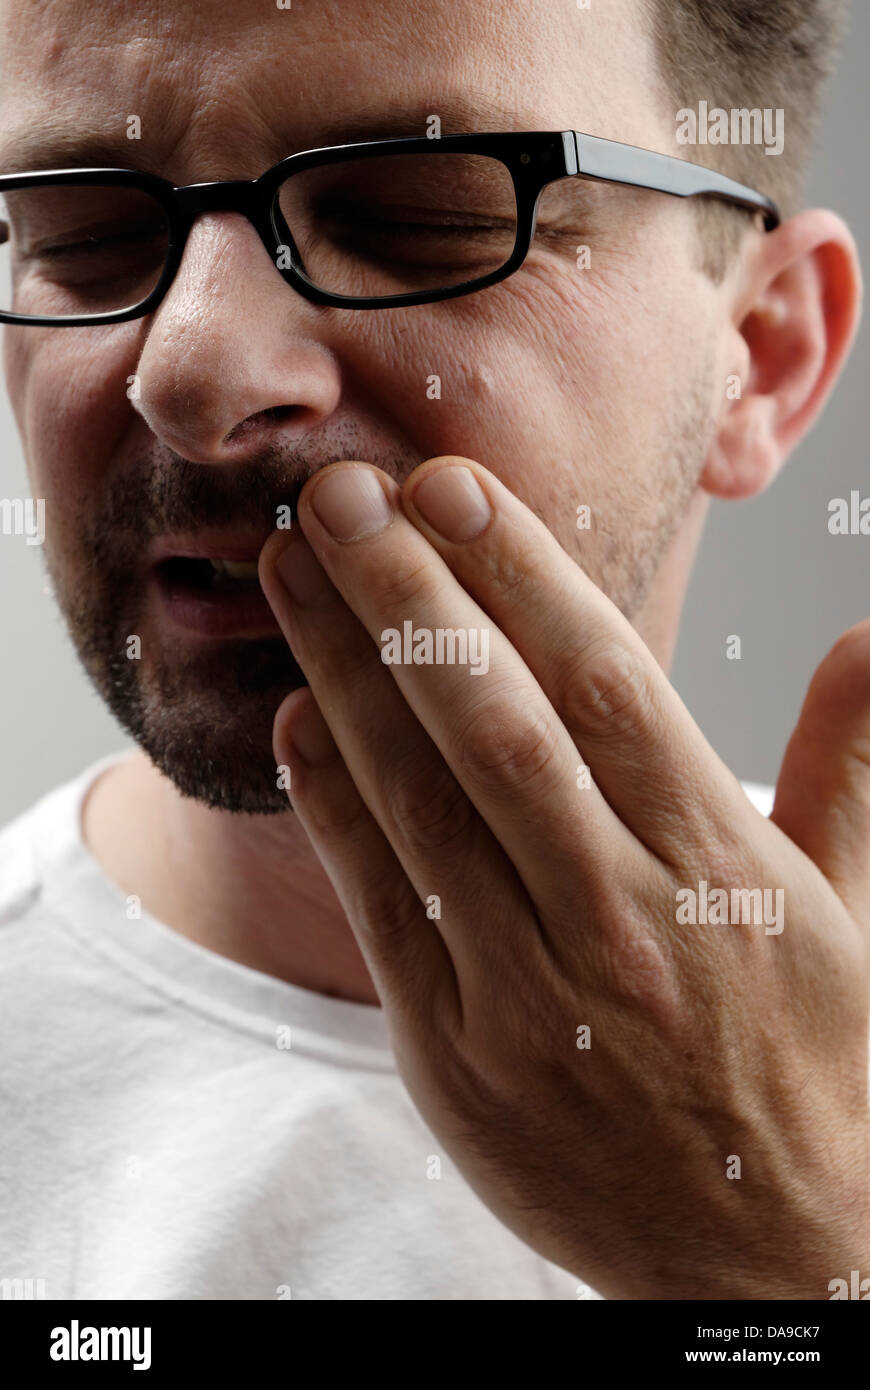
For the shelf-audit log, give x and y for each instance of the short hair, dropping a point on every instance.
(738, 54)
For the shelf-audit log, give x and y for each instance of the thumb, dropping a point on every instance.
(823, 793)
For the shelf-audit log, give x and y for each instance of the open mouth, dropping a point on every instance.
(209, 576)
(217, 598)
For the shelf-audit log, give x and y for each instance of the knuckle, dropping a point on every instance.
(638, 969)
(501, 747)
(349, 657)
(333, 818)
(386, 915)
(404, 585)
(511, 569)
(725, 863)
(606, 686)
(430, 809)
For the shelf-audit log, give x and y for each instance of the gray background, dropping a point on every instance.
(767, 569)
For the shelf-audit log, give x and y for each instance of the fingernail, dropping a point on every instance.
(351, 504)
(301, 572)
(453, 502)
(311, 736)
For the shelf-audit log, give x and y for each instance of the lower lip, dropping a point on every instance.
(242, 613)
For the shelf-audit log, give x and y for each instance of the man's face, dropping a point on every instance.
(575, 383)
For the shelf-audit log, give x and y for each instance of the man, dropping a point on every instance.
(426, 949)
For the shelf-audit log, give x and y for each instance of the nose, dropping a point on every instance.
(232, 361)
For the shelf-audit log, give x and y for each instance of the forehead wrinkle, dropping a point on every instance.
(211, 144)
(221, 117)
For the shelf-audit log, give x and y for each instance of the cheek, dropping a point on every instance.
(620, 344)
(567, 384)
(492, 376)
(68, 391)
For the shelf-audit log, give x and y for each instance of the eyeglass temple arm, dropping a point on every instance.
(612, 162)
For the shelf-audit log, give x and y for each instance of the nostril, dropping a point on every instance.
(275, 414)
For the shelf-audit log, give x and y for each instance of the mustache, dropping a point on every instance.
(167, 493)
(187, 496)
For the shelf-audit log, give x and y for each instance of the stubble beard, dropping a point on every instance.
(205, 717)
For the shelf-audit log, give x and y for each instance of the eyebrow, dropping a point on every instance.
(35, 149)
(458, 114)
(50, 147)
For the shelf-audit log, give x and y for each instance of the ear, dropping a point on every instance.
(795, 312)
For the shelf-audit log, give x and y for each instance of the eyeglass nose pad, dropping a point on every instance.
(285, 238)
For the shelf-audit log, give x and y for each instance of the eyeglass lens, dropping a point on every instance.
(365, 228)
(70, 250)
(397, 224)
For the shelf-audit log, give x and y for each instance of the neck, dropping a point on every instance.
(248, 887)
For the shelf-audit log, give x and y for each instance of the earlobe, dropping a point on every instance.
(744, 457)
(797, 313)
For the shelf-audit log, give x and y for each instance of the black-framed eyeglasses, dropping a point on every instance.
(374, 225)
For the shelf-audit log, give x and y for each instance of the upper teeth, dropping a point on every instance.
(236, 569)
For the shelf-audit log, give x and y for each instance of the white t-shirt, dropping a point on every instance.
(159, 1139)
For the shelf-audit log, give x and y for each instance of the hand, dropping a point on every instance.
(668, 1110)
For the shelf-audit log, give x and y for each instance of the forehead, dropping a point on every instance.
(221, 89)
